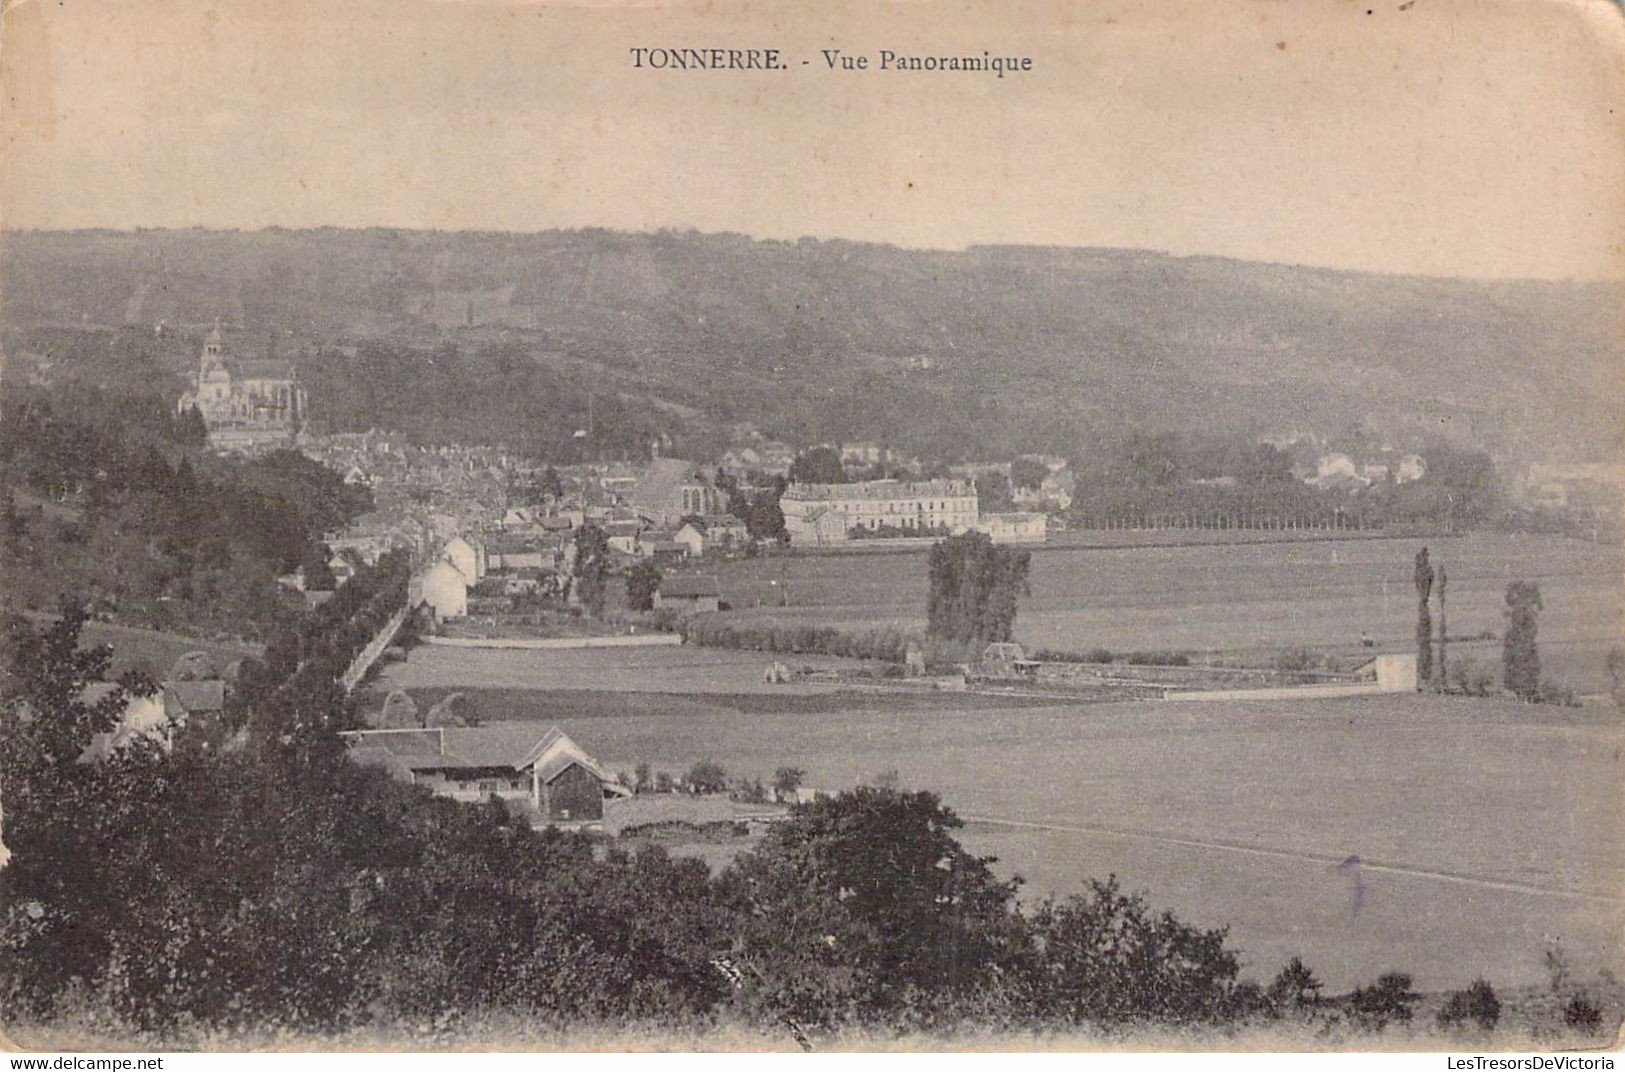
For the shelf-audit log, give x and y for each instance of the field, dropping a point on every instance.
(155, 652)
(1243, 600)
(1446, 837)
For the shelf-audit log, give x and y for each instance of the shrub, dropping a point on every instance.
(1387, 1001)
(1557, 694)
(707, 776)
(1298, 659)
(1293, 988)
(1157, 658)
(1107, 959)
(1582, 1015)
(1471, 677)
(1477, 1004)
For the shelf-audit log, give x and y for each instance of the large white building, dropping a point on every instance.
(817, 514)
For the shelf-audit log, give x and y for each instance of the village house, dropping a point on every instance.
(186, 701)
(539, 772)
(505, 553)
(143, 718)
(1053, 493)
(661, 546)
(153, 717)
(862, 454)
(623, 535)
(466, 557)
(776, 457)
(688, 593)
(716, 532)
(741, 462)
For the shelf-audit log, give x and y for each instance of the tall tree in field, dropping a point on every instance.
(591, 566)
(975, 586)
(1444, 639)
(1520, 658)
(1424, 620)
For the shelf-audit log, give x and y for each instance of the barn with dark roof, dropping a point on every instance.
(536, 769)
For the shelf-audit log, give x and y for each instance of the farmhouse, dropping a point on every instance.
(533, 768)
(688, 592)
(822, 513)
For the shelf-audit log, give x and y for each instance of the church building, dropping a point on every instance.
(247, 404)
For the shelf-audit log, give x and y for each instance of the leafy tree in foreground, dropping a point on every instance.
(866, 903)
(46, 720)
(1520, 658)
(975, 585)
(1424, 620)
(1107, 959)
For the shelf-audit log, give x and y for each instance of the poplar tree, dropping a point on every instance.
(1520, 658)
(1424, 621)
(1444, 640)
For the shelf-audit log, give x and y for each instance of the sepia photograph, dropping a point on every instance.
(748, 525)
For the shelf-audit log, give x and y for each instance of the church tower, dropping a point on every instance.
(213, 349)
(214, 393)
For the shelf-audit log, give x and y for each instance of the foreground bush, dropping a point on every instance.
(1386, 1002)
(1477, 1005)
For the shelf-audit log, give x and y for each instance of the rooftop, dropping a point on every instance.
(880, 489)
(689, 585)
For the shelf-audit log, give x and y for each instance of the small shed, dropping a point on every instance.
(689, 592)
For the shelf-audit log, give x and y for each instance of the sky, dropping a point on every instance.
(1482, 139)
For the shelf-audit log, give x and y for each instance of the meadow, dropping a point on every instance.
(1236, 600)
(1443, 836)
